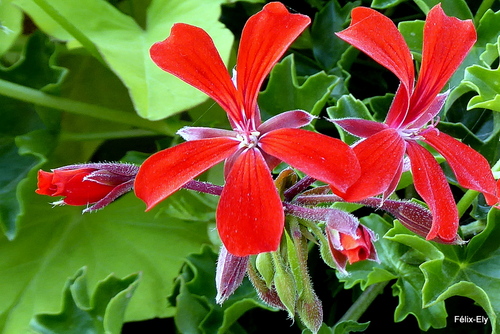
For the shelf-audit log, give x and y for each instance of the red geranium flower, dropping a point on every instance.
(447, 41)
(94, 183)
(249, 216)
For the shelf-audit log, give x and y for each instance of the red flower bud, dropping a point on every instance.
(345, 247)
(85, 184)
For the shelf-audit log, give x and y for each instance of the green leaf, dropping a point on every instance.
(53, 243)
(327, 47)
(470, 271)
(350, 326)
(11, 25)
(194, 298)
(21, 123)
(487, 33)
(285, 91)
(395, 264)
(457, 8)
(103, 313)
(123, 45)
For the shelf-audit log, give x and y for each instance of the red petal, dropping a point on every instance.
(250, 215)
(288, 119)
(360, 127)
(165, 172)
(430, 183)
(321, 157)
(190, 54)
(471, 168)
(380, 157)
(45, 186)
(447, 41)
(71, 183)
(377, 36)
(264, 39)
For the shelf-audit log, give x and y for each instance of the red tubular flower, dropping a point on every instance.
(447, 41)
(249, 216)
(93, 183)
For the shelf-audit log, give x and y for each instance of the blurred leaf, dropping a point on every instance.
(11, 25)
(19, 119)
(470, 271)
(194, 298)
(409, 278)
(285, 91)
(123, 45)
(103, 313)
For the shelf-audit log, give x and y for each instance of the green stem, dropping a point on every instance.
(70, 28)
(485, 5)
(35, 96)
(71, 136)
(363, 302)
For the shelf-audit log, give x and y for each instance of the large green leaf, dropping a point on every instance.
(103, 313)
(120, 42)
(53, 243)
(11, 23)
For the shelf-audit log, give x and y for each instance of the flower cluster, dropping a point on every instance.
(264, 223)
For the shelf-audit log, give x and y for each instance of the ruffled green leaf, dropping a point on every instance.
(119, 41)
(470, 271)
(394, 265)
(485, 81)
(101, 313)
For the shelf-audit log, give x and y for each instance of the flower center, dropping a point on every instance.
(248, 139)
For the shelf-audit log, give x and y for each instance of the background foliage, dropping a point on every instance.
(77, 85)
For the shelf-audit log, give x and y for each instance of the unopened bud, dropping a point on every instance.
(265, 267)
(229, 275)
(416, 218)
(285, 285)
(310, 311)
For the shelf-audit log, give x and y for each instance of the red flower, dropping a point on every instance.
(85, 184)
(447, 40)
(249, 216)
(345, 247)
